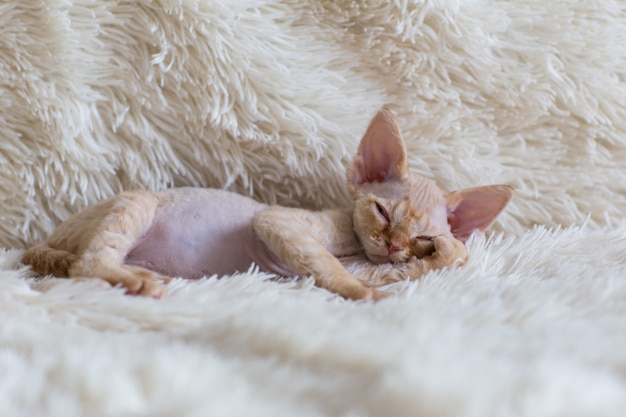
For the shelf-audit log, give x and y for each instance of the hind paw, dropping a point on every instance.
(144, 287)
(147, 287)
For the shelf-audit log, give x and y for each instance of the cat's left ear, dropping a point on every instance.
(381, 155)
(476, 208)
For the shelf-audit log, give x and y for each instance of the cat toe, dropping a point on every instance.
(132, 285)
(145, 288)
(144, 283)
(152, 289)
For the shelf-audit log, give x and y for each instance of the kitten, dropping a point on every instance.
(401, 226)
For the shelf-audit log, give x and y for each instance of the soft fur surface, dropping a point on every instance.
(270, 98)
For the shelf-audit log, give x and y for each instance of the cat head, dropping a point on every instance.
(397, 212)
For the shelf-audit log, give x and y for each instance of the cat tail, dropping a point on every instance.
(49, 261)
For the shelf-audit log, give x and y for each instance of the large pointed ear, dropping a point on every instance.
(381, 155)
(476, 208)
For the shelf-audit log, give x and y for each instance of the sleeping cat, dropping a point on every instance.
(401, 226)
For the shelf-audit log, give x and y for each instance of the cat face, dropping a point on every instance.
(398, 213)
(396, 220)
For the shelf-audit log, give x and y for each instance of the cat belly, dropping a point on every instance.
(201, 232)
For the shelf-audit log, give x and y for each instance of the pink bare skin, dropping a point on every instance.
(400, 227)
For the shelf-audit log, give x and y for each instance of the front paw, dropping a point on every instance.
(378, 295)
(449, 252)
(362, 293)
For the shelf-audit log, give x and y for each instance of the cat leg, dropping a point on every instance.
(46, 260)
(449, 253)
(103, 257)
(93, 244)
(308, 242)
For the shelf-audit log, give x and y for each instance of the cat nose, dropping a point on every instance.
(392, 248)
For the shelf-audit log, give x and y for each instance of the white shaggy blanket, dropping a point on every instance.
(269, 98)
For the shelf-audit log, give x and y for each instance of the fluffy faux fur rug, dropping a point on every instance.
(269, 98)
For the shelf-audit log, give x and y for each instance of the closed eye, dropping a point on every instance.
(424, 238)
(382, 211)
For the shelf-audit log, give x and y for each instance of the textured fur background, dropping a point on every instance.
(270, 98)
